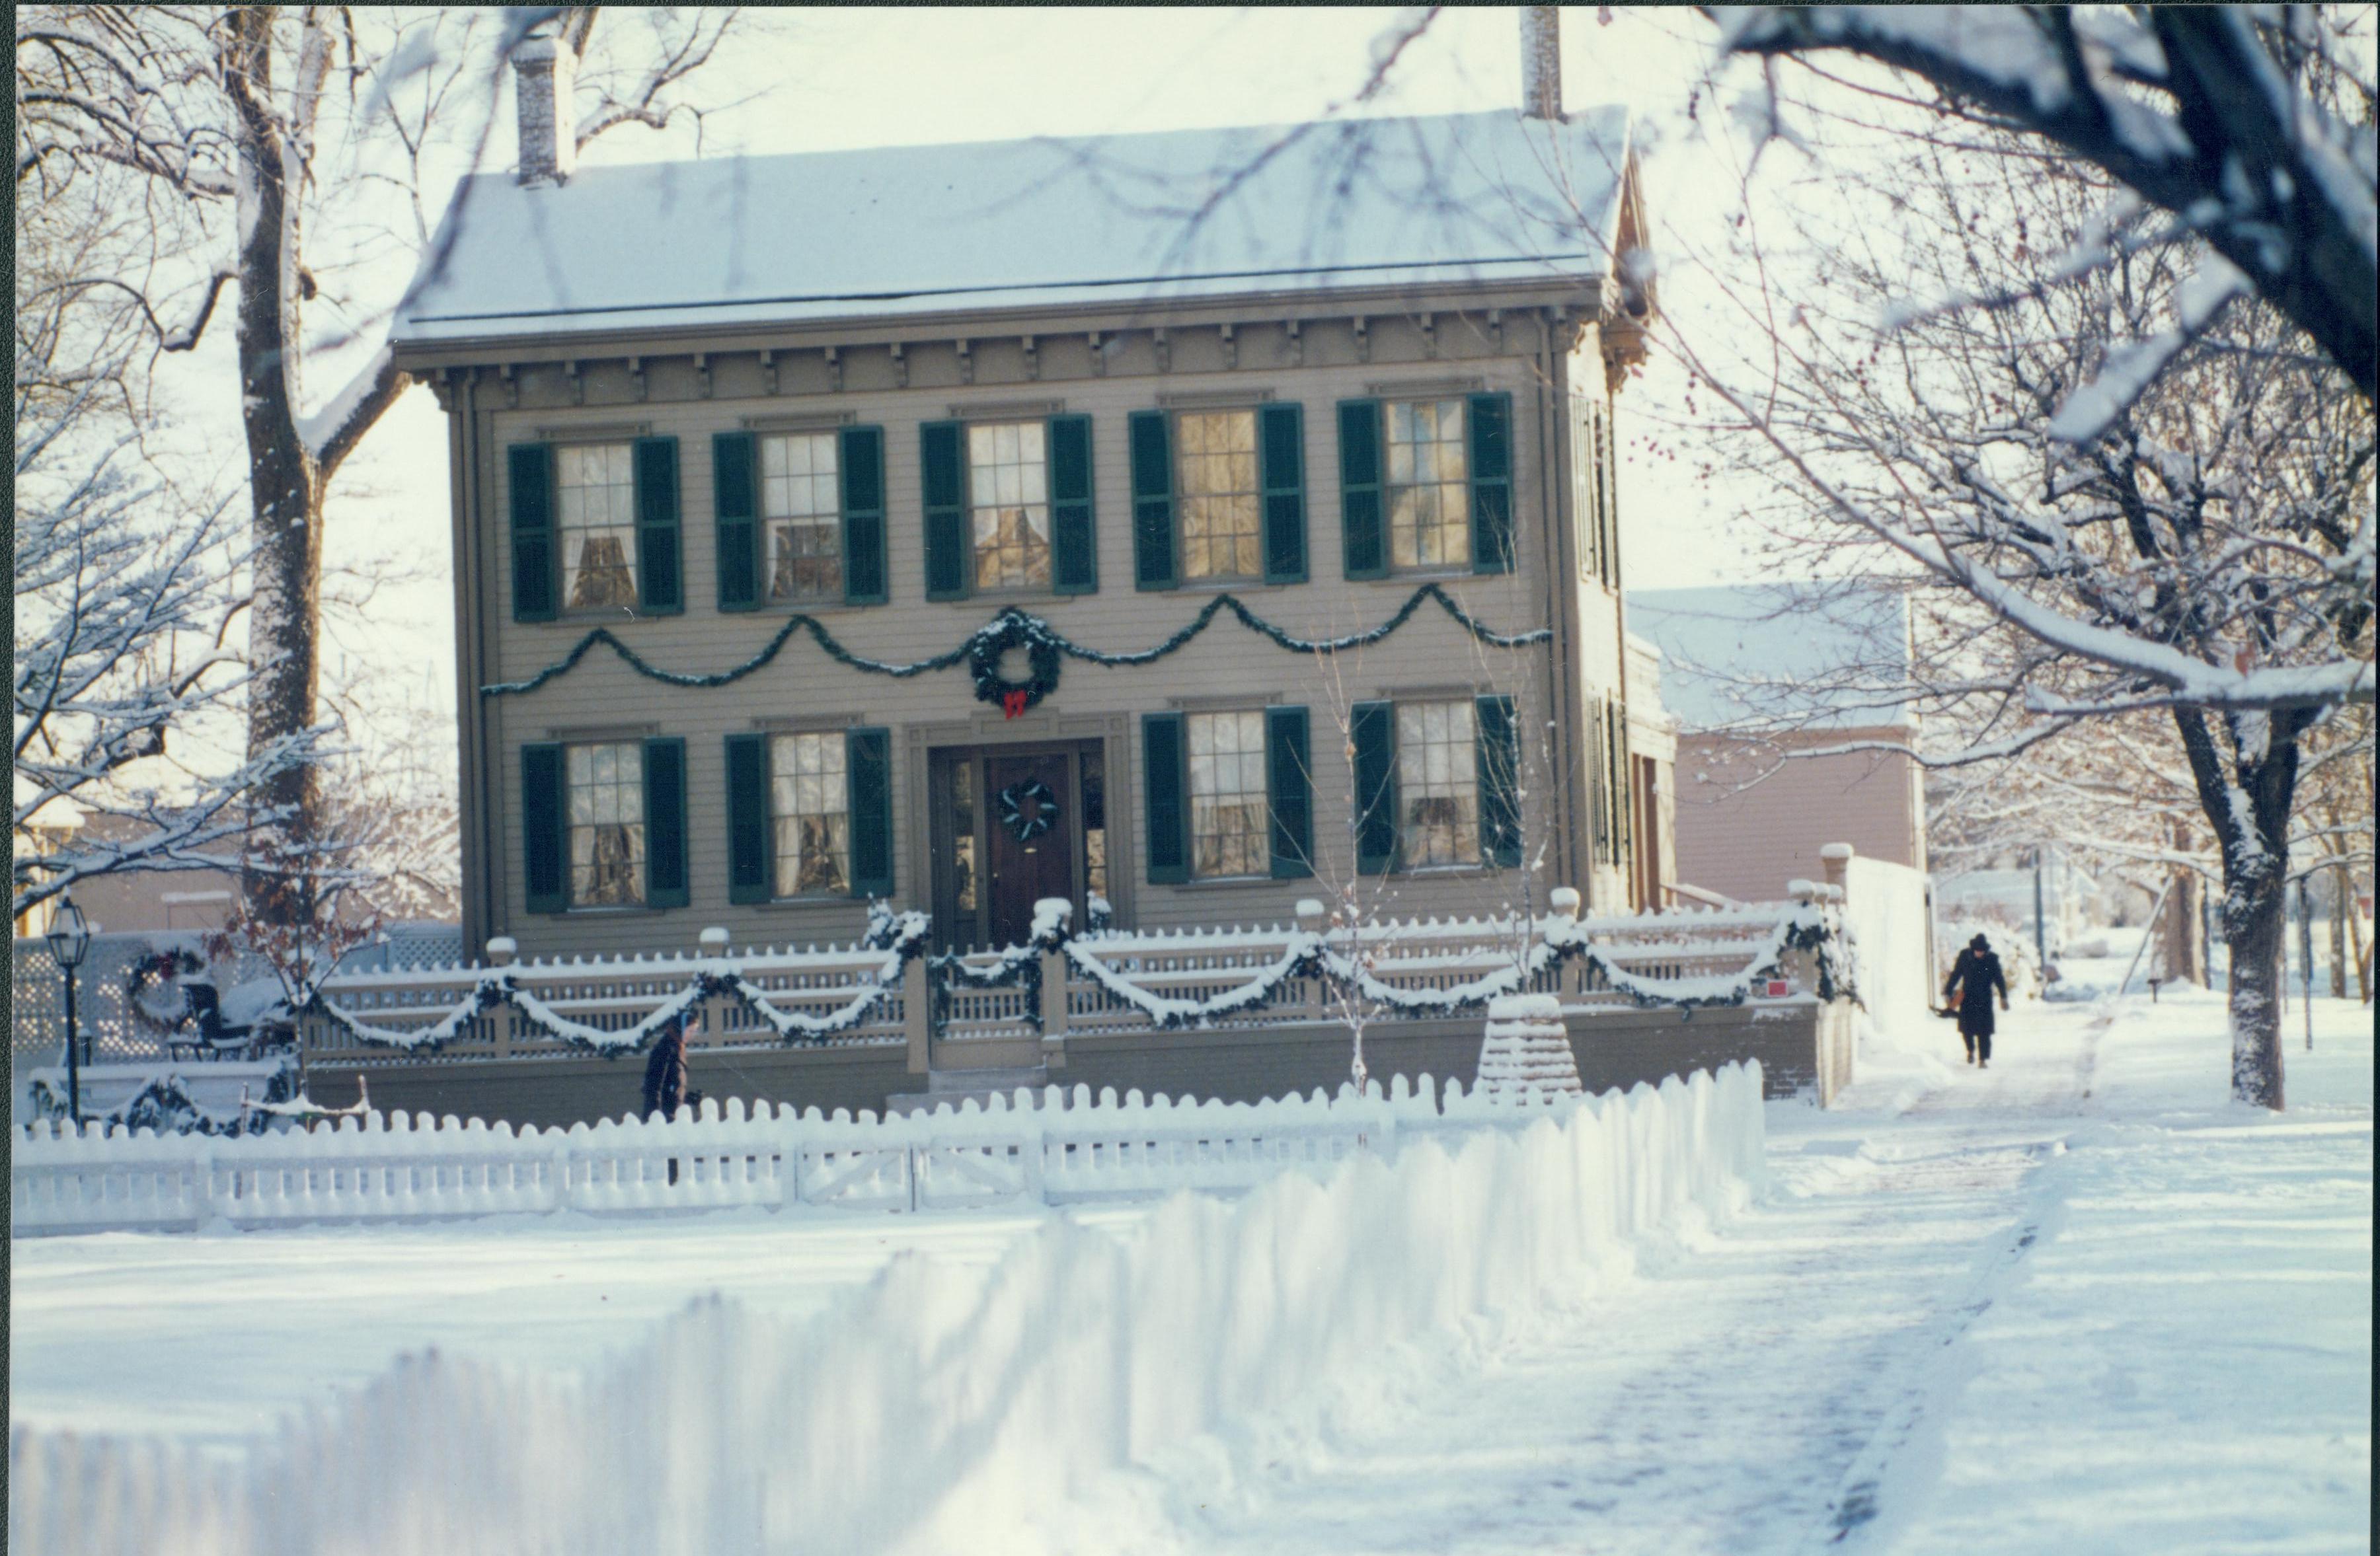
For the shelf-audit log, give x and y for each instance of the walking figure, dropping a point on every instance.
(665, 1087)
(1975, 974)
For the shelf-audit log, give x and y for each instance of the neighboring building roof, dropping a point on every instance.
(1780, 656)
(900, 231)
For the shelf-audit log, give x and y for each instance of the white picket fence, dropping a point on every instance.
(1049, 1148)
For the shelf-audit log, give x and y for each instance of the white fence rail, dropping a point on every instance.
(1052, 1148)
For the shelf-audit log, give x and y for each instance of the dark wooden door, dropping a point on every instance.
(1031, 836)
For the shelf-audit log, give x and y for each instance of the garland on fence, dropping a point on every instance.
(500, 987)
(1308, 955)
(165, 1106)
(1015, 627)
(1808, 927)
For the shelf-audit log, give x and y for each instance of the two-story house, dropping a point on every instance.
(841, 526)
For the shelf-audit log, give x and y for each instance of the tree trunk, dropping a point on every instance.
(285, 486)
(2247, 800)
(2256, 917)
(2180, 949)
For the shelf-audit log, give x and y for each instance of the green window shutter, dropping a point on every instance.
(1492, 483)
(1608, 482)
(867, 768)
(531, 466)
(1499, 782)
(659, 588)
(666, 867)
(751, 840)
(1281, 437)
(1599, 805)
(1152, 499)
(866, 578)
(1623, 795)
(941, 447)
(1586, 511)
(1362, 521)
(1165, 793)
(1291, 780)
(541, 840)
(1074, 518)
(735, 494)
(1374, 733)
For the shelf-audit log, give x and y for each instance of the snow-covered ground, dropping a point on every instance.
(2075, 1302)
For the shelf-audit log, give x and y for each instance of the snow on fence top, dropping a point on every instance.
(1054, 1146)
(1445, 200)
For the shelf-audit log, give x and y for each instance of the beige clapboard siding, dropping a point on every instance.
(1430, 653)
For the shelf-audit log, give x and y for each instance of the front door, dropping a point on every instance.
(1030, 834)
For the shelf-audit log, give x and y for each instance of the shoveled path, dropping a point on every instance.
(1744, 1397)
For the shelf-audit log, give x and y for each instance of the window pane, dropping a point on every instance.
(1230, 819)
(1437, 771)
(1429, 498)
(1008, 488)
(810, 809)
(605, 792)
(1220, 512)
(597, 510)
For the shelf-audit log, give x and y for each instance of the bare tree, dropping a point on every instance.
(129, 590)
(2202, 553)
(259, 140)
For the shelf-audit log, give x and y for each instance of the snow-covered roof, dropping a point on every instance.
(1831, 655)
(1424, 201)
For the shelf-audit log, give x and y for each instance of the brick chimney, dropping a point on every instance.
(545, 73)
(1541, 96)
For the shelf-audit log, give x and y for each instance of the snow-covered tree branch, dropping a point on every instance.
(2252, 125)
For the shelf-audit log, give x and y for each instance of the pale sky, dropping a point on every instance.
(830, 80)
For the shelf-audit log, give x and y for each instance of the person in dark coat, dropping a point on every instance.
(665, 1072)
(1975, 975)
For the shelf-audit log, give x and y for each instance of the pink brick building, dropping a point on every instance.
(1754, 674)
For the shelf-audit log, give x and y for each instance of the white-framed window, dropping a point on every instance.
(1229, 808)
(810, 805)
(1438, 783)
(1429, 484)
(606, 789)
(801, 516)
(598, 484)
(1221, 505)
(1008, 503)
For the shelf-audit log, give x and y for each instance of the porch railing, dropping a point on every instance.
(1100, 984)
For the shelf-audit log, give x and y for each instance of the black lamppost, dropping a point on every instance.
(69, 939)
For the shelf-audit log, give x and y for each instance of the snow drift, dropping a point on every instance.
(936, 1403)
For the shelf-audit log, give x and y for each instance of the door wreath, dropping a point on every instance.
(1026, 809)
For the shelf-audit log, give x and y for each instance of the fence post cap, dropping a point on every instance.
(713, 939)
(1311, 912)
(1837, 850)
(1564, 900)
(503, 949)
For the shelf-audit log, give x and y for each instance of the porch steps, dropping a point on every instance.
(952, 1087)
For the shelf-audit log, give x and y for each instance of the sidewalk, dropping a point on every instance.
(2184, 1363)
(2074, 1302)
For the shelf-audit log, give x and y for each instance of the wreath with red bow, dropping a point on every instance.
(987, 648)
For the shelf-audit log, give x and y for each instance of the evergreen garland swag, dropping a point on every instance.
(1012, 626)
